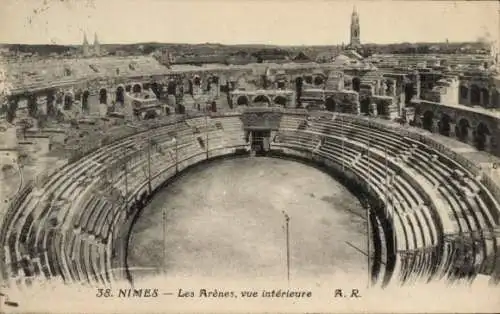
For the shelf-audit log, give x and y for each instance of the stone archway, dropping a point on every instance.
(280, 84)
(444, 125)
(365, 105)
(330, 104)
(150, 114)
(171, 87)
(464, 92)
(78, 95)
(32, 105)
(485, 95)
(262, 99)
(156, 88)
(128, 88)
(475, 97)
(318, 80)
(381, 109)
(136, 88)
(308, 79)
(103, 96)
(242, 101)
(51, 98)
(462, 129)
(299, 83)
(409, 91)
(59, 99)
(85, 100)
(68, 101)
(356, 84)
(280, 100)
(197, 81)
(428, 120)
(120, 95)
(482, 131)
(495, 98)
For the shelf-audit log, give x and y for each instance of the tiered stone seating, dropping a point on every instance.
(457, 209)
(65, 230)
(291, 122)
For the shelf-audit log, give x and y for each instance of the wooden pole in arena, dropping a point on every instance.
(287, 234)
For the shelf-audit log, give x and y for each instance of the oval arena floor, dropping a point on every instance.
(224, 220)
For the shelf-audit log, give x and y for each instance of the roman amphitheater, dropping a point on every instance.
(92, 147)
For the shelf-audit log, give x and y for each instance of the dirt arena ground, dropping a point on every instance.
(224, 220)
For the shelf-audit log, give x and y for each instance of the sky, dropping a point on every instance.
(277, 22)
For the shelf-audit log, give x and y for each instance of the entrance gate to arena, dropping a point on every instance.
(260, 140)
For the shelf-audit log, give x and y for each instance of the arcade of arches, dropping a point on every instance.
(479, 136)
(478, 95)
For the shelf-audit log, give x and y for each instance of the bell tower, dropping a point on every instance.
(97, 46)
(355, 41)
(85, 46)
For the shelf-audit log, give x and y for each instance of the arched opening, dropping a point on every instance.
(428, 120)
(280, 100)
(120, 94)
(480, 139)
(308, 79)
(444, 125)
(197, 81)
(155, 87)
(242, 101)
(495, 99)
(318, 80)
(50, 103)
(330, 104)
(190, 87)
(356, 84)
(78, 95)
(474, 95)
(59, 98)
(281, 84)
(464, 92)
(32, 105)
(137, 88)
(85, 100)
(103, 96)
(409, 92)
(68, 101)
(462, 130)
(381, 109)
(208, 84)
(299, 83)
(150, 114)
(171, 87)
(261, 100)
(128, 88)
(485, 93)
(365, 105)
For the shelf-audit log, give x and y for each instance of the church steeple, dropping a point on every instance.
(97, 46)
(355, 29)
(85, 46)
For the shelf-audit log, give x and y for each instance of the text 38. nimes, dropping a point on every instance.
(203, 293)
